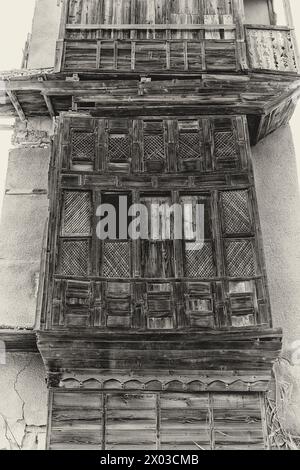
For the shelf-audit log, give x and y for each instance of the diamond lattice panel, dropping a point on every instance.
(236, 212)
(225, 147)
(189, 146)
(199, 261)
(118, 148)
(77, 213)
(154, 149)
(83, 146)
(116, 260)
(240, 258)
(74, 258)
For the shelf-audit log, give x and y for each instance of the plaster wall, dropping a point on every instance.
(45, 30)
(277, 188)
(256, 12)
(23, 403)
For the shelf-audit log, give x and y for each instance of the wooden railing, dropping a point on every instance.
(178, 48)
(271, 48)
(148, 48)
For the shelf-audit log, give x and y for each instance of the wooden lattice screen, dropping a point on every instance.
(218, 282)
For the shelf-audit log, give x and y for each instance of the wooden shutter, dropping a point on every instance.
(198, 255)
(118, 305)
(155, 158)
(119, 145)
(200, 304)
(157, 253)
(160, 308)
(190, 146)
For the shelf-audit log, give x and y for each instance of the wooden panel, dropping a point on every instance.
(184, 421)
(237, 422)
(76, 421)
(131, 421)
(161, 420)
(271, 49)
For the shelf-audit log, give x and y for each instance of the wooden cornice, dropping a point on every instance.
(251, 349)
(19, 341)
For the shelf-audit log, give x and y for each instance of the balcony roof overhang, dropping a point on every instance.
(259, 95)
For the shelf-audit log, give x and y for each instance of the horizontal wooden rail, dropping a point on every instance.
(268, 27)
(161, 27)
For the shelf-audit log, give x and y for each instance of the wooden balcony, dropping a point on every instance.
(176, 48)
(138, 48)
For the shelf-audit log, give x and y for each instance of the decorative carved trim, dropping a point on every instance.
(176, 383)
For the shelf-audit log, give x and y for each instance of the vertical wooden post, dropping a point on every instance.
(60, 45)
(239, 19)
(290, 23)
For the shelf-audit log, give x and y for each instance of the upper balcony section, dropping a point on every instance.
(176, 36)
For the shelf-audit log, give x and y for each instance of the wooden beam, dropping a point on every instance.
(15, 102)
(63, 19)
(49, 105)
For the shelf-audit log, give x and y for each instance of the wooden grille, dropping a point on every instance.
(116, 260)
(154, 149)
(83, 146)
(236, 212)
(225, 148)
(74, 258)
(118, 147)
(199, 262)
(77, 213)
(189, 146)
(240, 258)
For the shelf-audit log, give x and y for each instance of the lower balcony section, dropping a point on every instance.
(163, 391)
(157, 420)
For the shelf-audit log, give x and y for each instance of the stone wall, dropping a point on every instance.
(24, 215)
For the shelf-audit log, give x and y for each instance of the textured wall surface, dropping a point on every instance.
(24, 214)
(23, 403)
(279, 202)
(44, 34)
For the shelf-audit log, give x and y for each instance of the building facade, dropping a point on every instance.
(160, 342)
